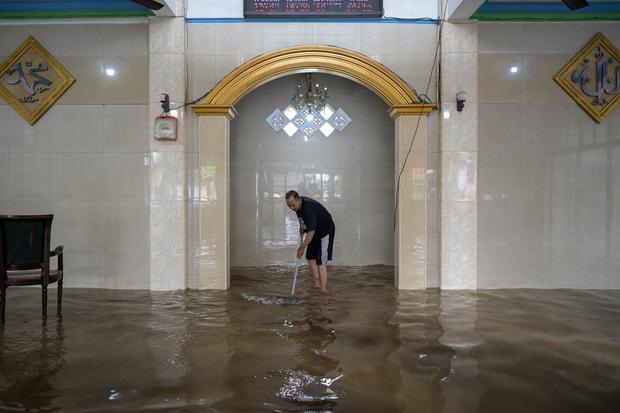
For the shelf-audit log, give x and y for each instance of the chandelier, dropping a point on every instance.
(308, 113)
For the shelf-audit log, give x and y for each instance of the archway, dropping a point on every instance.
(217, 109)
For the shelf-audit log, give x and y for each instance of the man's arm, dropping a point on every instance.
(304, 245)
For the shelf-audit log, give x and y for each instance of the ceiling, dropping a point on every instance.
(46, 9)
(545, 10)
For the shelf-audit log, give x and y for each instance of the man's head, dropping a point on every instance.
(293, 200)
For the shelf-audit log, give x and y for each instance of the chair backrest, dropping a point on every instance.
(25, 241)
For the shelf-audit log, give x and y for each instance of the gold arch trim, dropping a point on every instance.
(401, 98)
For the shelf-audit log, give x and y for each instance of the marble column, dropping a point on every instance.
(214, 217)
(168, 200)
(459, 157)
(410, 247)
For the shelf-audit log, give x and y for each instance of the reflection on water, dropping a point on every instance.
(252, 349)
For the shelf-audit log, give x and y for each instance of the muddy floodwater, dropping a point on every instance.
(364, 348)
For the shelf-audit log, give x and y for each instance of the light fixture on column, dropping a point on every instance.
(165, 124)
(309, 113)
(461, 97)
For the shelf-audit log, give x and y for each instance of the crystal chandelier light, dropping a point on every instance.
(308, 113)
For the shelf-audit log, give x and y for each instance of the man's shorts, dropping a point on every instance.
(321, 249)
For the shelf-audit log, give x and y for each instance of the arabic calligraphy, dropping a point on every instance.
(592, 78)
(37, 85)
(32, 80)
(603, 82)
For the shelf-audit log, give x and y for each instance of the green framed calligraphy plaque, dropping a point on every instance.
(32, 80)
(592, 78)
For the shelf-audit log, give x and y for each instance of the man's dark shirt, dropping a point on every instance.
(314, 217)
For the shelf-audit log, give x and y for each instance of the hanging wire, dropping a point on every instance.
(425, 100)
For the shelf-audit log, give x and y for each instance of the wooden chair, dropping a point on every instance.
(25, 256)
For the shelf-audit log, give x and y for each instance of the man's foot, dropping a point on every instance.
(325, 292)
(316, 286)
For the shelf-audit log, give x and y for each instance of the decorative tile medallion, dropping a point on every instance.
(32, 80)
(592, 77)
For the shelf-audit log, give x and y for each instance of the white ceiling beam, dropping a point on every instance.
(461, 10)
(172, 8)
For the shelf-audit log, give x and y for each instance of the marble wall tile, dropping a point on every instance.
(379, 38)
(424, 74)
(459, 222)
(4, 176)
(80, 128)
(168, 270)
(32, 176)
(497, 84)
(459, 73)
(90, 88)
(459, 170)
(347, 36)
(398, 63)
(126, 224)
(167, 176)
(238, 39)
(168, 225)
(461, 129)
(457, 266)
(548, 38)
(494, 38)
(202, 76)
(547, 127)
(80, 176)
(411, 128)
(126, 128)
(79, 224)
(84, 268)
(130, 83)
(538, 73)
(210, 128)
(224, 64)
(584, 31)
(126, 40)
(500, 132)
(81, 39)
(125, 176)
(42, 137)
(4, 132)
(280, 35)
(166, 35)
(46, 35)
(460, 38)
(124, 268)
(201, 39)
(423, 38)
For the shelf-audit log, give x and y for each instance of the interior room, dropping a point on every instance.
(309, 206)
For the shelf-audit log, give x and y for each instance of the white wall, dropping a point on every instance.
(549, 175)
(351, 172)
(84, 160)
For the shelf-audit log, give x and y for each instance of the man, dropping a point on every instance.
(317, 224)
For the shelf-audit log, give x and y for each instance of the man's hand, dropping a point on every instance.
(300, 251)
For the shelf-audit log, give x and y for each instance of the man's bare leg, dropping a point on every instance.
(314, 271)
(323, 278)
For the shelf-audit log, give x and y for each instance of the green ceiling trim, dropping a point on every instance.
(541, 17)
(75, 14)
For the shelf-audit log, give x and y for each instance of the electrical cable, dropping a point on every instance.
(424, 100)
